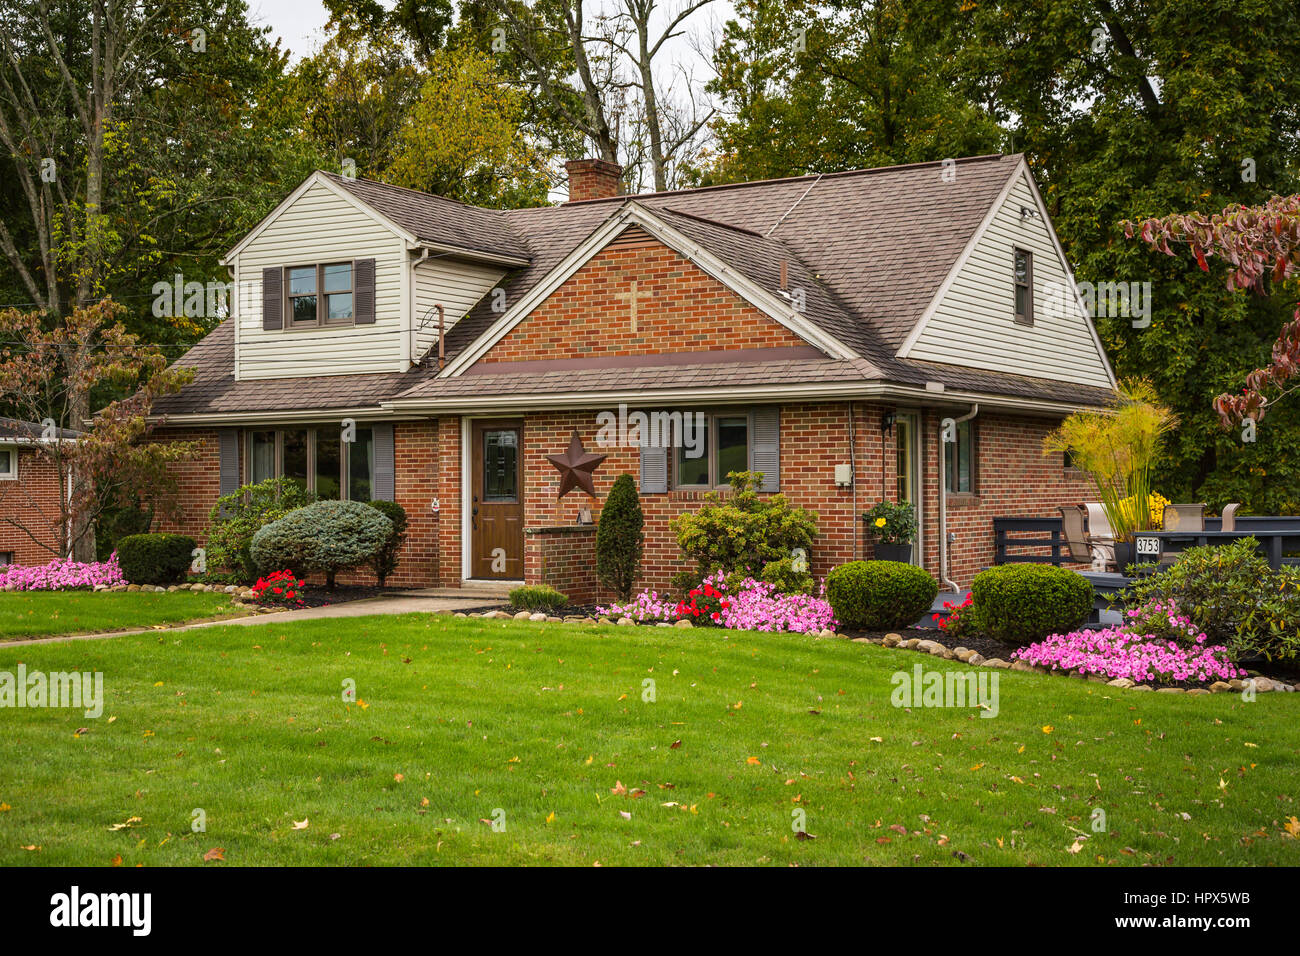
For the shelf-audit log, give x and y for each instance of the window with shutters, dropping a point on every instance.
(318, 458)
(726, 447)
(320, 295)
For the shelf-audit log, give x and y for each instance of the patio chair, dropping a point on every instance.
(1190, 517)
(1230, 516)
(1076, 539)
(1101, 536)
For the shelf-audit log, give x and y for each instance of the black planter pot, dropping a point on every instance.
(1123, 555)
(893, 552)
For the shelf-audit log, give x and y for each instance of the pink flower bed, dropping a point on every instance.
(62, 575)
(755, 606)
(1157, 643)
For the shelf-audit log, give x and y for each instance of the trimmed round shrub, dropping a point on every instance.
(325, 537)
(384, 562)
(538, 597)
(1024, 603)
(878, 595)
(155, 558)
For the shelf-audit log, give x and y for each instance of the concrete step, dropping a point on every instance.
(488, 590)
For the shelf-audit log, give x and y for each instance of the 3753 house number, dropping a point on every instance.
(1148, 547)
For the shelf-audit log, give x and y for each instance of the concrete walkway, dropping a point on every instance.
(412, 602)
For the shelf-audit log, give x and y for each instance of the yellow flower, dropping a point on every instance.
(880, 522)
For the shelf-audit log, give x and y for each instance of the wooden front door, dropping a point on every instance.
(497, 500)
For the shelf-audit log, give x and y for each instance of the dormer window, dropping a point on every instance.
(319, 295)
(1024, 280)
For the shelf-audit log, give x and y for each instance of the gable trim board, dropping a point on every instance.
(636, 214)
(1020, 176)
(318, 178)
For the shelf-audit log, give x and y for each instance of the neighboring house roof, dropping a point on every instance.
(870, 249)
(16, 429)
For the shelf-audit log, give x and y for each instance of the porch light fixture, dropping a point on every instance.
(887, 421)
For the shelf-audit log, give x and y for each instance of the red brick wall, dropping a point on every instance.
(33, 502)
(679, 309)
(564, 558)
(814, 438)
(199, 481)
(1013, 479)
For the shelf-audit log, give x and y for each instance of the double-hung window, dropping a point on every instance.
(319, 295)
(959, 471)
(721, 449)
(8, 464)
(1023, 277)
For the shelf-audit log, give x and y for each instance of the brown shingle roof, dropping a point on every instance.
(869, 248)
(435, 219)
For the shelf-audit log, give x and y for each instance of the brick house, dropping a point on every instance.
(821, 330)
(29, 495)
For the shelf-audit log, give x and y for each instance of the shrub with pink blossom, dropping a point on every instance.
(1156, 644)
(759, 606)
(62, 575)
(750, 605)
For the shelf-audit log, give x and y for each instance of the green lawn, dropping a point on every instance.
(42, 613)
(458, 719)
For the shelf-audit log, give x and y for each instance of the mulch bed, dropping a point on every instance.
(319, 597)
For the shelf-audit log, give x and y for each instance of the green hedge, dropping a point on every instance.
(155, 558)
(879, 595)
(1024, 603)
(384, 562)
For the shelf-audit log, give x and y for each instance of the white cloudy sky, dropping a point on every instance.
(300, 23)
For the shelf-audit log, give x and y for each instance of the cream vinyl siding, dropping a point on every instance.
(974, 323)
(457, 286)
(322, 227)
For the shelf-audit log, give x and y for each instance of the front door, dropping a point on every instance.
(907, 431)
(497, 501)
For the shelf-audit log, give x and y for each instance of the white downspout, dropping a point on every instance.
(415, 307)
(944, 579)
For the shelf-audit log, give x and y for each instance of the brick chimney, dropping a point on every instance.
(592, 179)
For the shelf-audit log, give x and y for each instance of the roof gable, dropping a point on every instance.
(325, 181)
(970, 321)
(673, 232)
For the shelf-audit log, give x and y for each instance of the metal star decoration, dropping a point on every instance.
(575, 467)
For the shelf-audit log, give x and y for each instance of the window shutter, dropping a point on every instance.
(228, 453)
(654, 470)
(363, 285)
(272, 298)
(383, 488)
(765, 445)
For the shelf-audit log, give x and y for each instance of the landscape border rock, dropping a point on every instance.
(965, 655)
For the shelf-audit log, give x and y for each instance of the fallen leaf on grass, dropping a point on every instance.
(301, 824)
(216, 853)
(130, 822)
